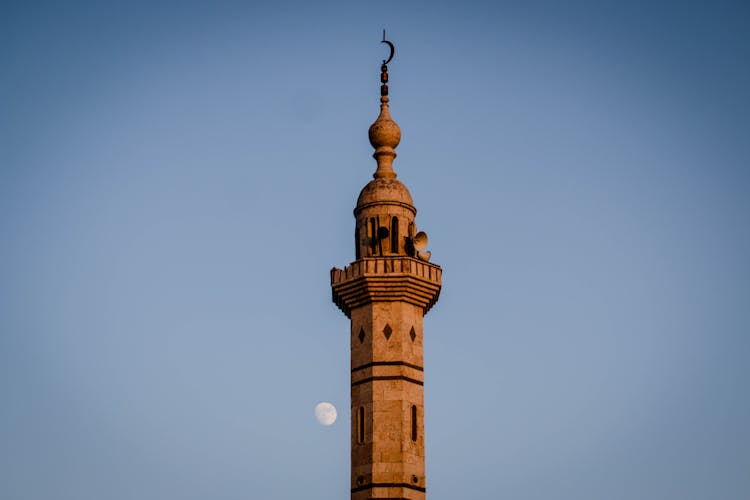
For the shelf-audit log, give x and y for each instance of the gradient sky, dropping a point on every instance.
(177, 179)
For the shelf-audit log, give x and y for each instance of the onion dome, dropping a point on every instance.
(385, 135)
(385, 191)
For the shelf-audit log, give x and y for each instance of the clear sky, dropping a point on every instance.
(177, 179)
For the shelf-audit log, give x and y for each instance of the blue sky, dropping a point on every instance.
(177, 179)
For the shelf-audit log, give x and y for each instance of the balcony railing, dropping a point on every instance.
(387, 265)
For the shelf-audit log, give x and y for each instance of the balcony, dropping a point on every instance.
(386, 279)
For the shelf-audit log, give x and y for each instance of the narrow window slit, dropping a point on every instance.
(361, 425)
(413, 422)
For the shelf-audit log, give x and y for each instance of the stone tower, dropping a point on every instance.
(386, 292)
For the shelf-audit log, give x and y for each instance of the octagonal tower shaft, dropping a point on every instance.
(386, 299)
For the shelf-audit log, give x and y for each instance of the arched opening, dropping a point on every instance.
(373, 235)
(357, 251)
(394, 235)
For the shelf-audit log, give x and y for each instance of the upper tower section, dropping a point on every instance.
(392, 263)
(385, 210)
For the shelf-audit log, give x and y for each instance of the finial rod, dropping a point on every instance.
(384, 71)
(384, 133)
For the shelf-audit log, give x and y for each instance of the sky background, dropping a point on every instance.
(177, 179)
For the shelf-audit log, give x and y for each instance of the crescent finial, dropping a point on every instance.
(390, 45)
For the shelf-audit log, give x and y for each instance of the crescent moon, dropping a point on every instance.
(393, 50)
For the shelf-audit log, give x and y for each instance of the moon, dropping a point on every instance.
(325, 413)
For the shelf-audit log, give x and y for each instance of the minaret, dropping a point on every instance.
(386, 292)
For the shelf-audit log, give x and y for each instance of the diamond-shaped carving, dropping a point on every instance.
(412, 334)
(387, 331)
(361, 336)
